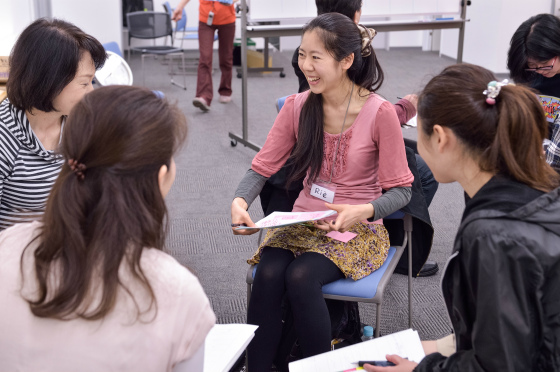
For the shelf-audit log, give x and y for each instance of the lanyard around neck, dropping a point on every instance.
(341, 131)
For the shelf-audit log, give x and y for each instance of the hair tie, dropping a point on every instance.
(367, 37)
(493, 90)
(77, 168)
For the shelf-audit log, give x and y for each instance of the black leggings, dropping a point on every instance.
(301, 278)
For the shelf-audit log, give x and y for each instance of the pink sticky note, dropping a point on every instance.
(344, 237)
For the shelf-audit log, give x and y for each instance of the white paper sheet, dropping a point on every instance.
(405, 344)
(278, 219)
(413, 121)
(224, 344)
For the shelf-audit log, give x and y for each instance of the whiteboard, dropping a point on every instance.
(274, 10)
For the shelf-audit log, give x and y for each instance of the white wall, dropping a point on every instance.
(100, 18)
(15, 15)
(488, 34)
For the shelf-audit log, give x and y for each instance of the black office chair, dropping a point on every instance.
(148, 5)
(154, 25)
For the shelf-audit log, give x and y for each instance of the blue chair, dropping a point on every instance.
(371, 288)
(113, 47)
(280, 103)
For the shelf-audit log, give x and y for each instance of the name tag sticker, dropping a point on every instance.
(344, 237)
(323, 191)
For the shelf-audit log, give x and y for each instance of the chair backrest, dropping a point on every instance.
(149, 25)
(113, 47)
(167, 8)
(115, 71)
(182, 23)
(280, 103)
(148, 5)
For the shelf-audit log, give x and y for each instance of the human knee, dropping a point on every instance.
(269, 275)
(300, 279)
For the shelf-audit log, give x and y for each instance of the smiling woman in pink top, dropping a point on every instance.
(349, 146)
(88, 288)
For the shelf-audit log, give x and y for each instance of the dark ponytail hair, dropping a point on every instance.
(349, 8)
(341, 37)
(505, 138)
(122, 135)
(537, 38)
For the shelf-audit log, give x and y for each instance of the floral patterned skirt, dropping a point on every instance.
(356, 259)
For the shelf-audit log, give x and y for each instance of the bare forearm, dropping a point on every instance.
(182, 3)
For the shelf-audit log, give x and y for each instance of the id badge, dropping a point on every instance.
(323, 191)
(210, 18)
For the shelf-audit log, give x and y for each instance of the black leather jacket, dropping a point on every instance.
(502, 283)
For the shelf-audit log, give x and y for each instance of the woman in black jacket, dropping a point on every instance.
(501, 284)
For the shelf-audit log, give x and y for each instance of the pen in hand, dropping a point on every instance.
(379, 363)
(238, 224)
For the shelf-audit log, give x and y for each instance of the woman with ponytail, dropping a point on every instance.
(349, 145)
(501, 283)
(89, 288)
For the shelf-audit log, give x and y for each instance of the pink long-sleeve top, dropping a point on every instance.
(371, 156)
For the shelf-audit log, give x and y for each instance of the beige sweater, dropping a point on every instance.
(115, 343)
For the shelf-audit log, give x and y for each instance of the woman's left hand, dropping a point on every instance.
(401, 365)
(348, 215)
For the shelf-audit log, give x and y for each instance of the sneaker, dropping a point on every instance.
(201, 104)
(225, 99)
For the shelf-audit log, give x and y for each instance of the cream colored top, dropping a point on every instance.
(115, 343)
(446, 345)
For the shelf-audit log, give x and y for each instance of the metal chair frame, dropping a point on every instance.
(156, 50)
(378, 298)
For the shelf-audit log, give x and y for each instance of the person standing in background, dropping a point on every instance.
(220, 16)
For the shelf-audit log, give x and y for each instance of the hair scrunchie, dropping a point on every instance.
(493, 90)
(367, 37)
(77, 168)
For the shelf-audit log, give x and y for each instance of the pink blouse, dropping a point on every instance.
(371, 155)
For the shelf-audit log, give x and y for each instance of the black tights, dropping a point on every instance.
(301, 278)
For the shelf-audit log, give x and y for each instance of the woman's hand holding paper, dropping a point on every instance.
(348, 215)
(240, 217)
(401, 365)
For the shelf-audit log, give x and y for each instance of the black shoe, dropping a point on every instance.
(430, 268)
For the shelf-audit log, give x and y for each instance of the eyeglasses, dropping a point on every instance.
(544, 68)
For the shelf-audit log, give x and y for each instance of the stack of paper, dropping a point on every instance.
(405, 344)
(224, 345)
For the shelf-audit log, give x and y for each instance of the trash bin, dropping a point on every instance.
(237, 50)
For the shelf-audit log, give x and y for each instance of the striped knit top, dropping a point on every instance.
(27, 170)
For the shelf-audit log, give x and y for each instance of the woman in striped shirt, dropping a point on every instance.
(51, 68)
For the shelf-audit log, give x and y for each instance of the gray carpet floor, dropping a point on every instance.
(209, 169)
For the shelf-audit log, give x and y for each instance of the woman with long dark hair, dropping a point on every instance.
(88, 287)
(52, 66)
(501, 282)
(348, 144)
(534, 60)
